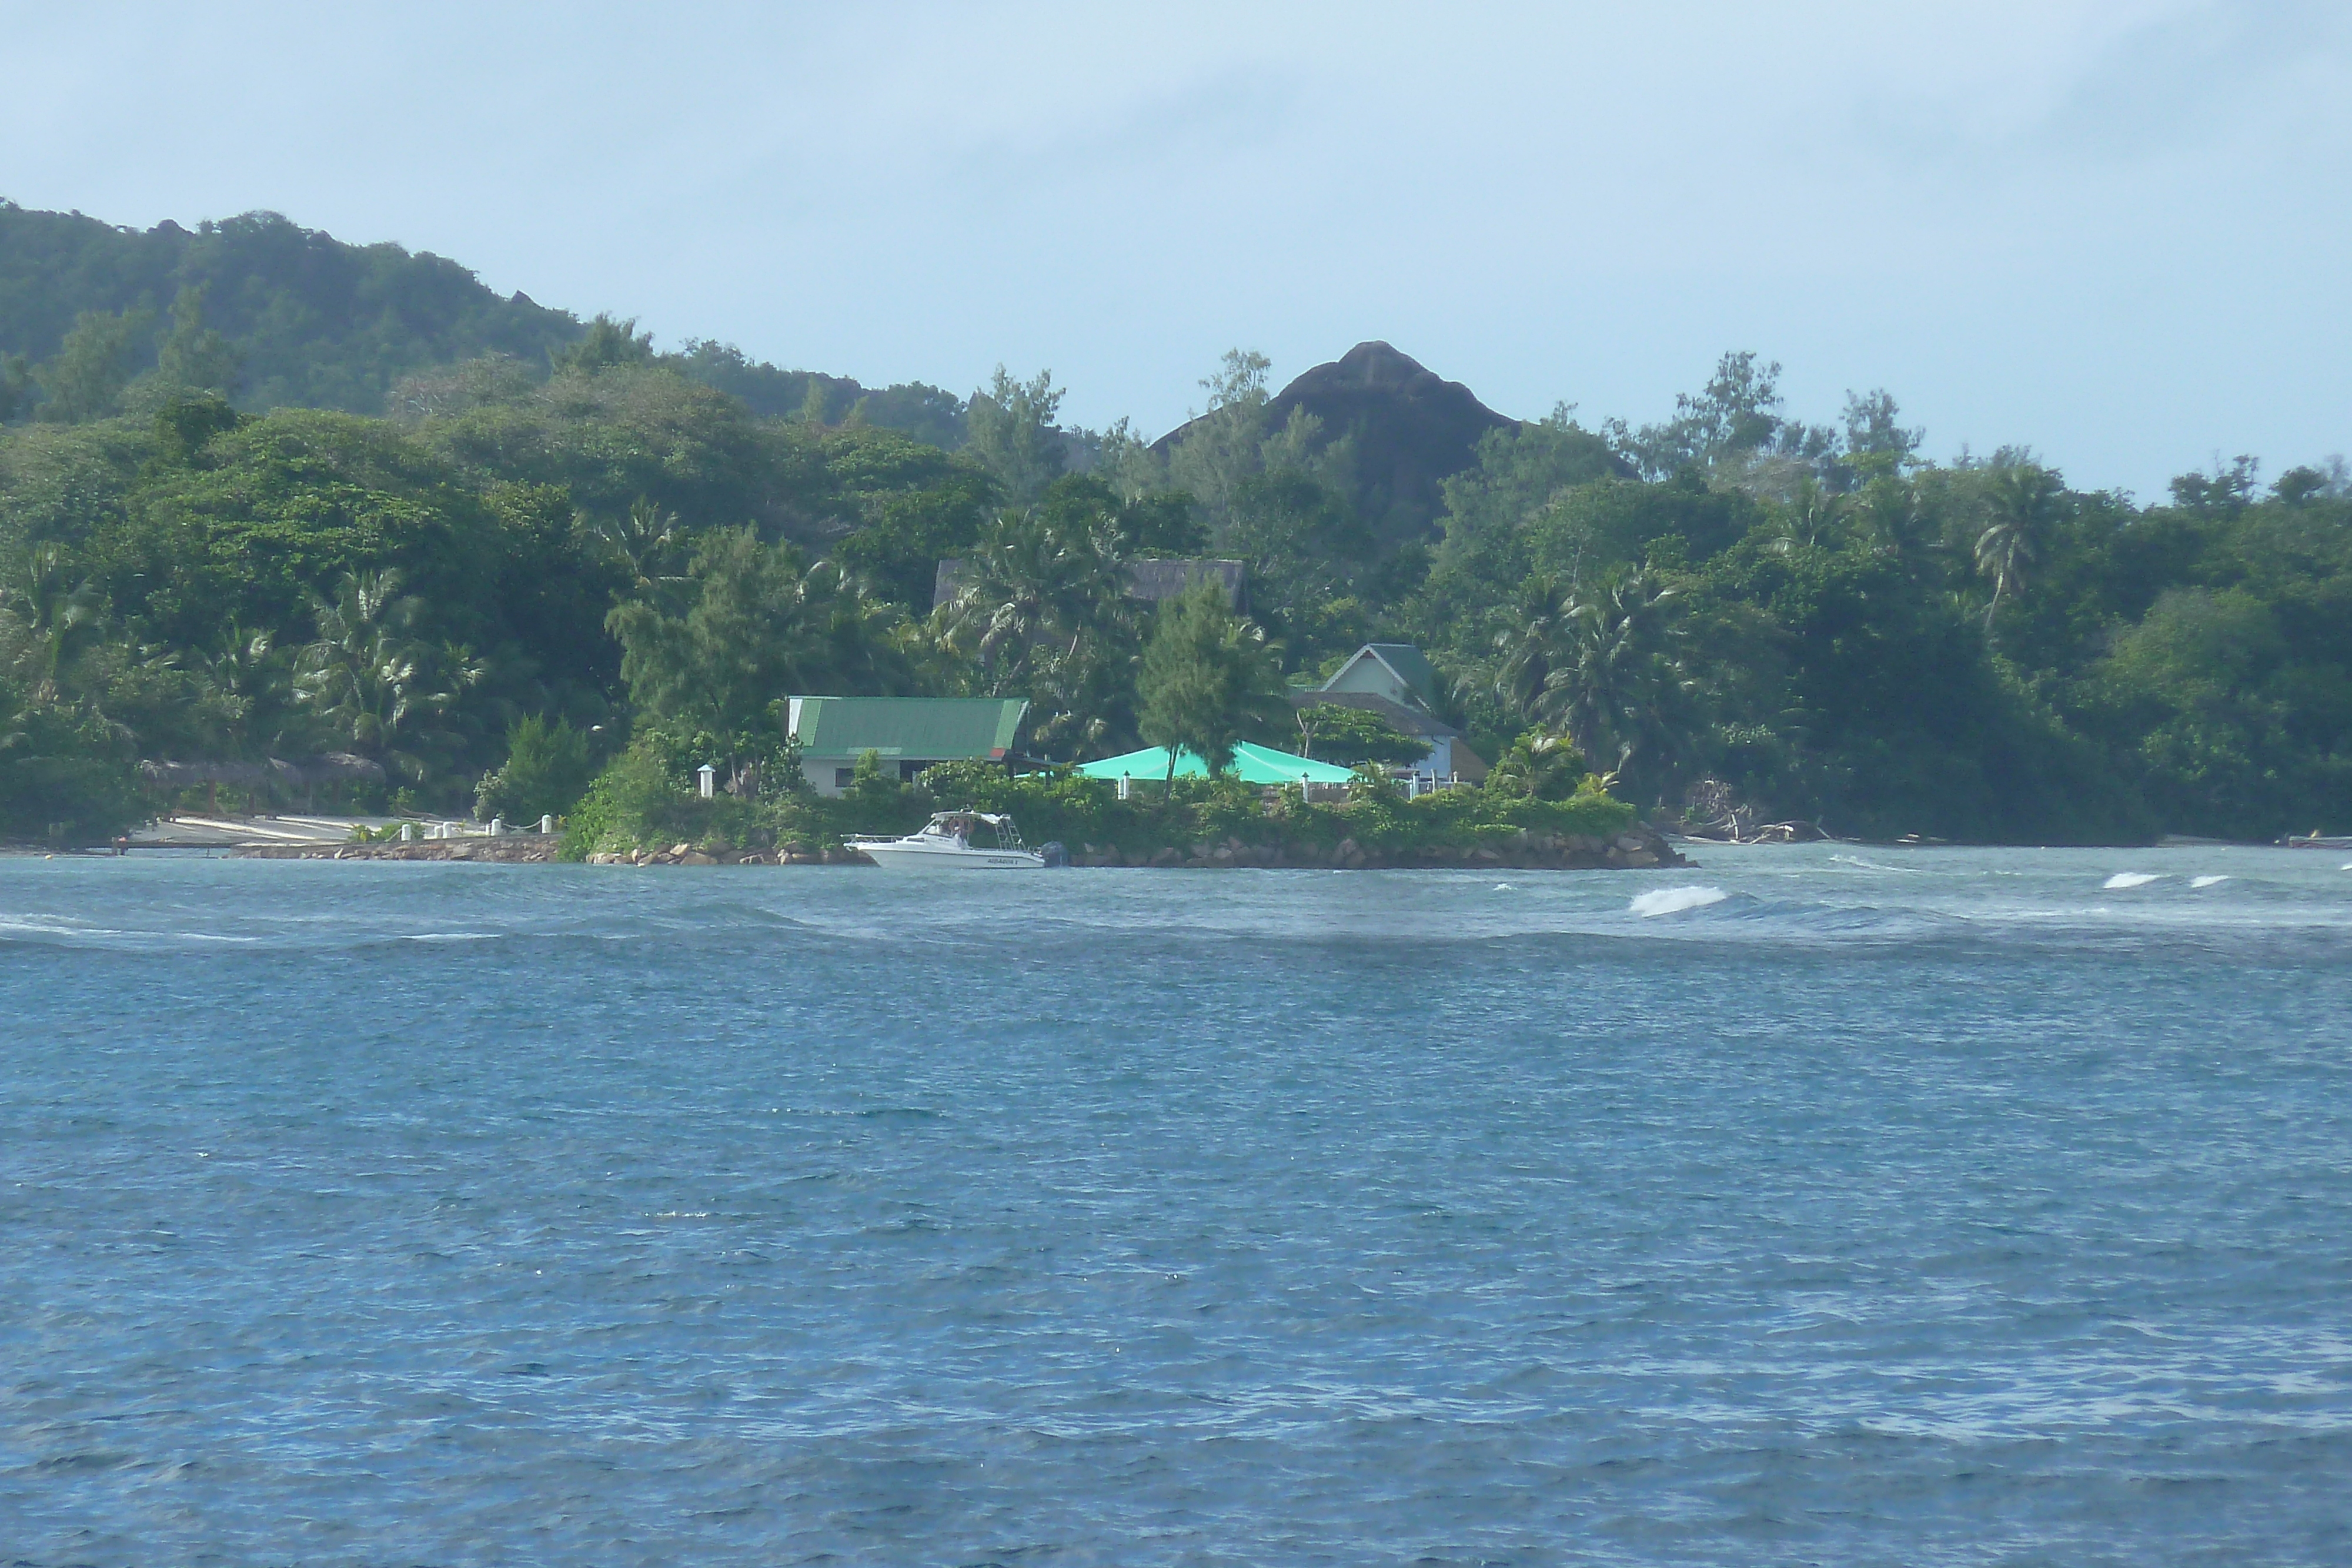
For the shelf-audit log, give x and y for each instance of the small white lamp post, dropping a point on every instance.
(707, 776)
(1126, 785)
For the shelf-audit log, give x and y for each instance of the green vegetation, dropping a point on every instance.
(1350, 736)
(645, 799)
(1207, 681)
(548, 768)
(497, 554)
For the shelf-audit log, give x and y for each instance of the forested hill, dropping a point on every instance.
(310, 322)
(97, 320)
(536, 521)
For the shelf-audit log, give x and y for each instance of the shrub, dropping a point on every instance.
(63, 777)
(546, 771)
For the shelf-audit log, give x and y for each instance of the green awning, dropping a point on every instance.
(1252, 765)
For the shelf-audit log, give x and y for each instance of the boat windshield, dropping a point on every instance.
(960, 825)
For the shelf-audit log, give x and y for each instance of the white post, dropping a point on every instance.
(547, 824)
(707, 776)
(407, 831)
(497, 826)
(1126, 785)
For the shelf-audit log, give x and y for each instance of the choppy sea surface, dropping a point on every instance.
(1813, 1205)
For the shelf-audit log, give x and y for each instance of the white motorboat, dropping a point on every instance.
(944, 843)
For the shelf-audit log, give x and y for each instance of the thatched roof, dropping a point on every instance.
(332, 767)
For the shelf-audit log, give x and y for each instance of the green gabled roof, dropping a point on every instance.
(939, 728)
(1407, 661)
(1404, 660)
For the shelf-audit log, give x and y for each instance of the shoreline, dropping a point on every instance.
(1634, 849)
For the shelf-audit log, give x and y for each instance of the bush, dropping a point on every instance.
(641, 801)
(1538, 766)
(63, 779)
(546, 771)
(1350, 736)
(633, 802)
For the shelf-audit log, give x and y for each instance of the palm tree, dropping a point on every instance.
(1532, 641)
(59, 618)
(848, 640)
(1610, 688)
(646, 543)
(1811, 511)
(2024, 502)
(366, 675)
(242, 678)
(1043, 612)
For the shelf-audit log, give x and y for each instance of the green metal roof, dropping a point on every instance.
(1404, 660)
(1407, 661)
(930, 729)
(1252, 765)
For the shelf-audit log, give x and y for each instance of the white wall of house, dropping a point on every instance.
(829, 775)
(832, 775)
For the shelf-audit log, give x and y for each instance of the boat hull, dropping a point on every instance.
(918, 857)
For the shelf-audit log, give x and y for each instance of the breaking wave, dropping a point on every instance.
(1673, 901)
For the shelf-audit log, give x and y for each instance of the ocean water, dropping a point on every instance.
(1813, 1205)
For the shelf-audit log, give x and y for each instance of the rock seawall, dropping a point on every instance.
(521, 849)
(1636, 849)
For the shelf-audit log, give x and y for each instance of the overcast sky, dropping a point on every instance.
(2114, 231)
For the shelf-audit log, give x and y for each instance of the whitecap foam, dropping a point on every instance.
(1861, 864)
(2206, 881)
(1673, 901)
(2131, 879)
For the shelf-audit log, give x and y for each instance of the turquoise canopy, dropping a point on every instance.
(1252, 765)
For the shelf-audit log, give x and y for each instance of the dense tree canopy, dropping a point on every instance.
(499, 543)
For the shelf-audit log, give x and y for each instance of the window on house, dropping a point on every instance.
(843, 778)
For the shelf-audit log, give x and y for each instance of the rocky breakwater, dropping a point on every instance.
(532, 850)
(693, 855)
(1636, 849)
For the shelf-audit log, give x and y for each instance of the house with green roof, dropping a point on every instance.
(909, 734)
(1395, 681)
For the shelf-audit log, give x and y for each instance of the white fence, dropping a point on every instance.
(496, 827)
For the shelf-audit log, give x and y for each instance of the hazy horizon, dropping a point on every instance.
(2100, 231)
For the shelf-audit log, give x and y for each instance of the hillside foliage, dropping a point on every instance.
(268, 496)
